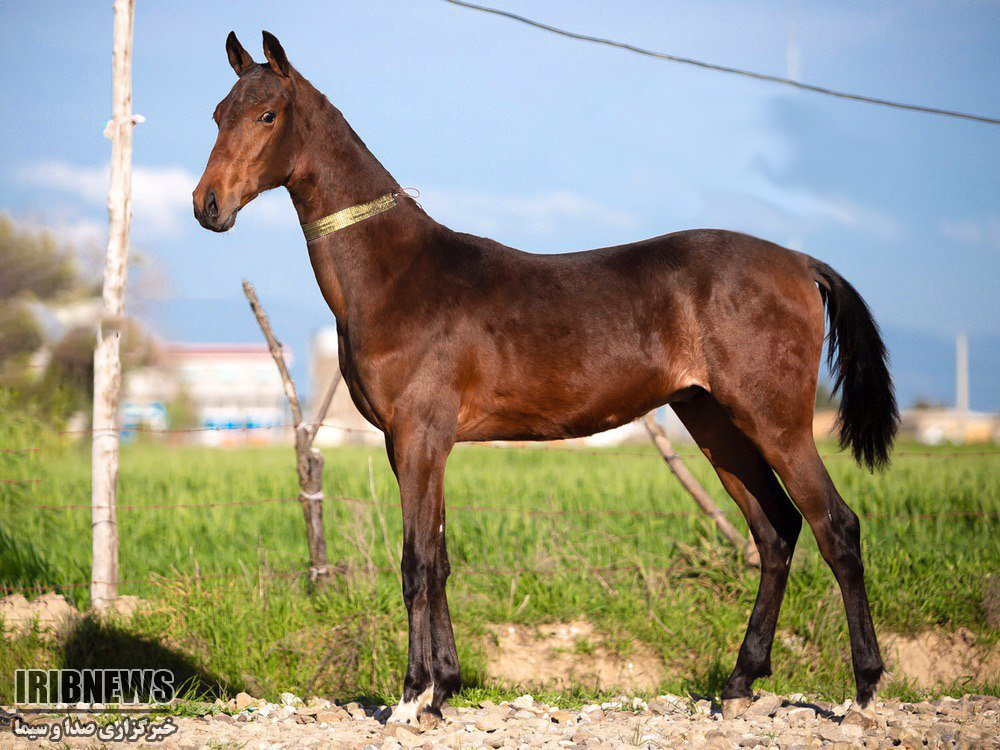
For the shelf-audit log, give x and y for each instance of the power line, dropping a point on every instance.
(728, 69)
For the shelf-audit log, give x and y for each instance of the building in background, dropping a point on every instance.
(344, 424)
(225, 393)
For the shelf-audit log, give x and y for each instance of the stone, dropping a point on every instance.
(860, 719)
(764, 706)
(943, 731)
(490, 722)
(852, 730)
(331, 715)
(524, 701)
(717, 743)
(406, 738)
(244, 701)
(830, 732)
(562, 717)
(801, 713)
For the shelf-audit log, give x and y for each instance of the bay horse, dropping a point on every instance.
(448, 337)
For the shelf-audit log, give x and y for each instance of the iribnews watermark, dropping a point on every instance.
(122, 730)
(80, 689)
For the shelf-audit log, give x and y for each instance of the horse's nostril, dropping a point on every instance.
(211, 206)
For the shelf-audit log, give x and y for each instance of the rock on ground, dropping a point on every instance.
(972, 721)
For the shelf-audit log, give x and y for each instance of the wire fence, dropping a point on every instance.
(471, 506)
(294, 574)
(536, 446)
(494, 506)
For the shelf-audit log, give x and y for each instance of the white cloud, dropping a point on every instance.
(985, 233)
(543, 215)
(161, 196)
(77, 231)
(789, 215)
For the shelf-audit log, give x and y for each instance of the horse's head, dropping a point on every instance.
(254, 151)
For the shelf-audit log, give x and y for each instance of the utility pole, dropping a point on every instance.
(962, 374)
(793, 55)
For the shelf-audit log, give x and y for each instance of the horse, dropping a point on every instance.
(448, 337)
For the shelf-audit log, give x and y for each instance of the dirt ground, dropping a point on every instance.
(559, 655)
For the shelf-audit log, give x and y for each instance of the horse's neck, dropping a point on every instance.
(335, 171)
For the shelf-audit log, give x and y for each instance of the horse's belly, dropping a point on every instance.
(556, 410)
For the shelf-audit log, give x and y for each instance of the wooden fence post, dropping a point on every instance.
(107, 360)
(309, 460)
(694, 488)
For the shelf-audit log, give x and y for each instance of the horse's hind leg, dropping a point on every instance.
(838, 534)
(784, 438)
(774, 523)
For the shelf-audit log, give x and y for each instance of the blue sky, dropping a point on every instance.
(547, 144)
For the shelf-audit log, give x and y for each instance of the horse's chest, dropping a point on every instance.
(360, 385)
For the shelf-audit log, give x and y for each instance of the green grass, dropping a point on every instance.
(230, 622)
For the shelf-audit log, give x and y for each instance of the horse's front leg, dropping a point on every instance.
(418, 451)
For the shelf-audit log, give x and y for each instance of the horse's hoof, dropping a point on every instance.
(733, 708)
(410, 714)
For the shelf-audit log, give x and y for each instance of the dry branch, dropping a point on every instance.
(309, 460)
(694, 488)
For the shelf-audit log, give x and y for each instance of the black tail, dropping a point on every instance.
(868, 416)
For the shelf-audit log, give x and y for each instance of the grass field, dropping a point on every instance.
(223, 612)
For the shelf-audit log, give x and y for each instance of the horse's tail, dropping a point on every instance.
(868, 417)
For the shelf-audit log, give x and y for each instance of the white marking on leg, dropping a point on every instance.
(407, 711)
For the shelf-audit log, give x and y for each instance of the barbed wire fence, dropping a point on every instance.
(484, 506)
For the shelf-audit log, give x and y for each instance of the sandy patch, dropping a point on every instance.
(560, 655)
(938, 658)
(52, 614)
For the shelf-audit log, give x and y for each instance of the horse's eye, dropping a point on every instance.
(267, 117)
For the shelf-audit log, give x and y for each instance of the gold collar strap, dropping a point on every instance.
(347, 216)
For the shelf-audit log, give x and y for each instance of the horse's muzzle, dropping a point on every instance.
(206, 211)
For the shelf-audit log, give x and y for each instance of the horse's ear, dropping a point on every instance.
(275, 54)
(239, 58)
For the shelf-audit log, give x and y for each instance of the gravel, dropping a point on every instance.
(668, 721)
